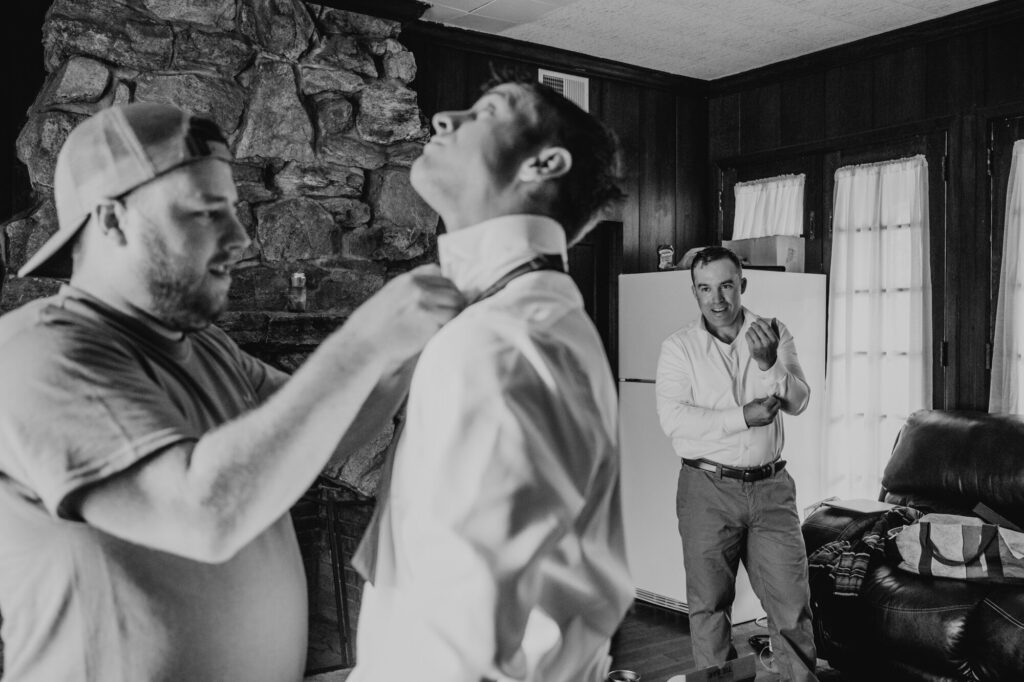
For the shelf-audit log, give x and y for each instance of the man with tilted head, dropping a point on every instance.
(498, 554)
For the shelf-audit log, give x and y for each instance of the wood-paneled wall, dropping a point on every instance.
(952, 83)
(661, 121)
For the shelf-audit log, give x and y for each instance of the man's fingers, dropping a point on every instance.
(767, 329)
(755, 335)
(438, 292)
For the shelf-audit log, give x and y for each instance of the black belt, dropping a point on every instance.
(747, 475)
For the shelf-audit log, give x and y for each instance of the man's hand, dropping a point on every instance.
(400, 318)
(761, 411)
(763, 340)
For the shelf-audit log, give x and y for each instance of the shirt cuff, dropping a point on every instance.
(735, 421)
(775, 374)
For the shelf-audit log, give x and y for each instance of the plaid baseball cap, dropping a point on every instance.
(108, 155)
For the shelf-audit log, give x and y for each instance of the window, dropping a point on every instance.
(878, 368)
(771, 206)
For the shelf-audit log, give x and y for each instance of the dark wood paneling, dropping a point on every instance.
(657, 176)
(760, 112)
(692, 227)
(620, 110)
(594, 263)
(848, 99)
(803, 109)
(899, 87)
(952, 67)
(996, 13)
(816, 224)
(1005, 67)
(937, 146)
(969, 258)
(724, 126)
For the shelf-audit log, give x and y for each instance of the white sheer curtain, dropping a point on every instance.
(1008, 350)
(878, 368)
(771, 206)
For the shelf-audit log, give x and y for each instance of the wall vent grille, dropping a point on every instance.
(661, 600)
(576, 89)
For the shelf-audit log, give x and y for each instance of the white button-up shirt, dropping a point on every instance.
(703, 383)
(500, 551)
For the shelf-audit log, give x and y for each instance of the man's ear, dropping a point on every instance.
(108, 216)
(547, 164)
(743, 285)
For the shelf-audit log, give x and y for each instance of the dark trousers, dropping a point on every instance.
(723, 521)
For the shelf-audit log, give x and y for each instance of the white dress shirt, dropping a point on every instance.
(500, 551)
(703, 383)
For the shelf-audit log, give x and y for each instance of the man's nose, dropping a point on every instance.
(447, 121)
(236, 238)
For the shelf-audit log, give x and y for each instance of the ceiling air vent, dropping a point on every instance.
(576, 89)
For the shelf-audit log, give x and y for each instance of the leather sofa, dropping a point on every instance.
(903, 626)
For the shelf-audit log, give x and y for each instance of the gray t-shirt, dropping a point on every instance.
(85, 392)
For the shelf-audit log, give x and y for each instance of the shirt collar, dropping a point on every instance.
(477, 256)
(87, 304)
(713, 340)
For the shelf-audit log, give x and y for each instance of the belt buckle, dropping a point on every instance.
(754, 475)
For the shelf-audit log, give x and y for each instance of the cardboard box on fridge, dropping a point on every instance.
(785, 251)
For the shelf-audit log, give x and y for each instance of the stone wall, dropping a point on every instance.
(316, 105)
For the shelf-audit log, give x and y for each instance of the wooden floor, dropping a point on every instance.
(655, 642)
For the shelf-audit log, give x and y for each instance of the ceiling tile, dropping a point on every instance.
(464, 5)
(475, 22)
(514, 11)
(699, 38)
(441, 13)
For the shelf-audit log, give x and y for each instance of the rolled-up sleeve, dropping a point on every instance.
(785, 378)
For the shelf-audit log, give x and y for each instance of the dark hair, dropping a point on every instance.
(710, 255)
(593, 182)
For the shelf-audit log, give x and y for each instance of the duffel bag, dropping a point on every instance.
(963, 547)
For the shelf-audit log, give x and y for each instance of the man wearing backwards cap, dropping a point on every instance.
(147, 464)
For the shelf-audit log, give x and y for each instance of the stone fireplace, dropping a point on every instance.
(317, 107)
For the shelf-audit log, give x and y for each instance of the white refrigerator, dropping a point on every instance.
(651, 307)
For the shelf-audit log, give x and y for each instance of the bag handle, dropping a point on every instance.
(988, 533)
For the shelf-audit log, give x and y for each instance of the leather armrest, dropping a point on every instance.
(829, 523)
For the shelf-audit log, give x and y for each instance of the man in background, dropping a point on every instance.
(721, 383)
(499, 552)
(147, 464)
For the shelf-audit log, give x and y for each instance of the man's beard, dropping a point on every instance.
(182, 307)
(176, 299)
